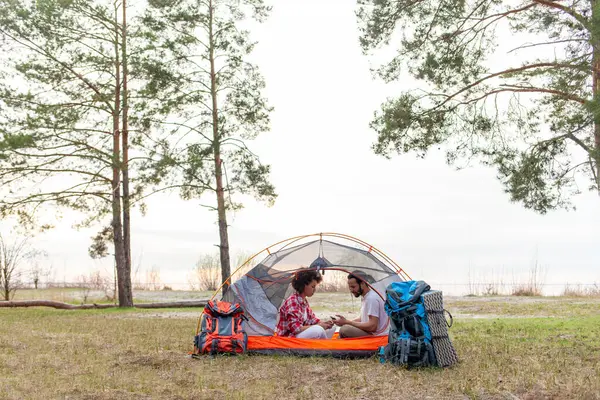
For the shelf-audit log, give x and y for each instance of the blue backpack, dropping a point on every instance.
(409, 339)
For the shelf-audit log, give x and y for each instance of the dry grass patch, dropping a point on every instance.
(522, 307)
(582, 290)
(76, 295)
(114, 354)
(526, 290)
(65, 295)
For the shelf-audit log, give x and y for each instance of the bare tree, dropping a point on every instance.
(153, 281)
(206, 273)
(12, 255)
(85, 285)
(39, 272)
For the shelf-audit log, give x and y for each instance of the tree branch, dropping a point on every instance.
(51, 196)
(179, 186)
(579, 142)
(553, 4)
(525, 46)
(37, 49)
(512, 71)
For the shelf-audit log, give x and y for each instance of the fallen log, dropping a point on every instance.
(174, 304)
(66, 306)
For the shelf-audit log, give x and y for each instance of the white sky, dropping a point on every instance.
(433, 221)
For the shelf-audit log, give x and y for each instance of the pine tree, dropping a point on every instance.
(63, 107)
(537, 122)
(210, 96)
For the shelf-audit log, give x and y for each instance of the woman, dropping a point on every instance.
(296, 319)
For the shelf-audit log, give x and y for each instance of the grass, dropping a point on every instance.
(582, 291)
(510, 307)
(142, 354)
(76, 295)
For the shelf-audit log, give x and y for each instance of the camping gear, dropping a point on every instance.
(262, 289)
(221, 329)
(409, 338)
(415, 313)
(338, 348)
(445, 354)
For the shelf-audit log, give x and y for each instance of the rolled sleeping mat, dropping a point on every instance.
(445, 353)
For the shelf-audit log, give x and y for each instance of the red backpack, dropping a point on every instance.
(221, 329)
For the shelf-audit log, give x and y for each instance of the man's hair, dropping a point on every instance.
(360, 277)
(303, 278)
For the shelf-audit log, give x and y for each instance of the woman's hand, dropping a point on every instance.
(326, 324)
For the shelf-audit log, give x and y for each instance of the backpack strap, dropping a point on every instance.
(214, 346)
(418, 326)
(404, 351)
(451, 319)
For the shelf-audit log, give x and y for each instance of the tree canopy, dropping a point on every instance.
(536, 122)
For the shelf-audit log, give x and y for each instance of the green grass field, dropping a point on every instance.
(534, 348)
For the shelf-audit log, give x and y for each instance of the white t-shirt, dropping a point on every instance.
(373, 305)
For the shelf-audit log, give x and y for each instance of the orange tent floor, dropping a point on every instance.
(363, 346)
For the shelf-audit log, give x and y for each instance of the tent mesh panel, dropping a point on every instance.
(274, 275)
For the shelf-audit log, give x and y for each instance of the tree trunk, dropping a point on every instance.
(125, 139)
(5, 271)
(115, 284)
(125, 296)
(5, 285)
(223, 236)
(595, 89)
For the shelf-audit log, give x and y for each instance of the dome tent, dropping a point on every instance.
(262, 289)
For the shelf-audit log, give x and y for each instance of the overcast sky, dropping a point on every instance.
(432, 220)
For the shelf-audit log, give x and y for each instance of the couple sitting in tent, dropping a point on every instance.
(296, 318)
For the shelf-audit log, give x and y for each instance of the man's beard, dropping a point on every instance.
(356, 294)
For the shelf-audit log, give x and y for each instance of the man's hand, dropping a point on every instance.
(340, 320)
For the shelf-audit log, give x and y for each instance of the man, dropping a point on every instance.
(373, 320)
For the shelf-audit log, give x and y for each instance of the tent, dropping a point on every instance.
(262, 289)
